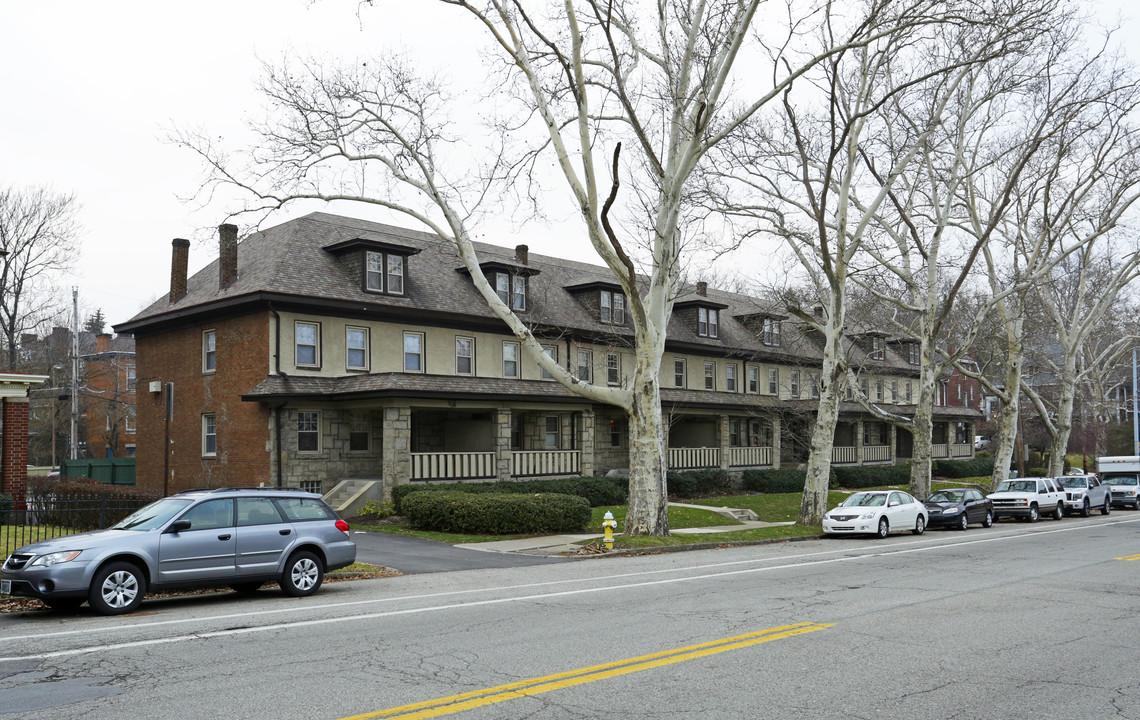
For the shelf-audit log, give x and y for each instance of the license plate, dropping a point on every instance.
(5, 587)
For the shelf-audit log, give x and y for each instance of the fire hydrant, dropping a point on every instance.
(609, 524)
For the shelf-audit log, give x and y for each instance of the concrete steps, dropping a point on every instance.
(738, 514)
(350, 494)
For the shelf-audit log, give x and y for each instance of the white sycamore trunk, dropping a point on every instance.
(814, 503)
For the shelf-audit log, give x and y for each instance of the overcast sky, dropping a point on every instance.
(90, 89)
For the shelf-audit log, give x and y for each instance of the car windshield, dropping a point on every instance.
(1110, 479)
(865, 500)
(1074, 482)
(951, 496)
(1028, 486)
(152, 516)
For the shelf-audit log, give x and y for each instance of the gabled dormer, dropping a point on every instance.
(768, 326)
(510, 279)
(381, 266)
(873, 343)
(605, 301)
(700, 313)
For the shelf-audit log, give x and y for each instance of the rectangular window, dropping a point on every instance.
(464, 355)
(551, 351)
(510, 359)
(619, 309)
(815, 385)
(518, 292)
(877, 350)
(209, 351)
(384, 272)
(585, 364)
(358, 432)
(679, 372)
(878, 391)
(606, 304)
(308, 344)
(129, 411)
(613, 368)
(615, 433)
(863, 388)
(773, 381)
(209, 435)
(730, 378)
(308, 431)
(552, 432)
(794, 383)
(895, 391)
(374, 271)
(413, 352)
(356, 348)
(913, 352)
(753, 379)
(908, 392)
(771, 332)
(612, 307)
(707, 322)
(503, 287)
(130, 377)
(396, 274)
(710, 376)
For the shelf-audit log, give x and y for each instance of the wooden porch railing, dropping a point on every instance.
(693, 458)
(749, 456)
(939, 450)
(453, 465)
(843, 455)
(528, 463)
(963, 450)
(876, 453)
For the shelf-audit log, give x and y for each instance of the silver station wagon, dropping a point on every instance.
(236, 537)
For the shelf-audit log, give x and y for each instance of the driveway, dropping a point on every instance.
(411, 555)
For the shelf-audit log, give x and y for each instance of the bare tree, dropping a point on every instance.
(623, 99)
(38, 232)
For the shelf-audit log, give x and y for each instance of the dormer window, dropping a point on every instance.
(511, 289)
(384, 272)
(612, 307)
(707, 323)
(913, 352)
(770, 332)
(878, 351)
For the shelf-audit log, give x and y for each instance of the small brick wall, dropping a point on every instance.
(14, 454)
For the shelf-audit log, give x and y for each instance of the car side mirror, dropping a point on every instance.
(893, 503)
(178, 526)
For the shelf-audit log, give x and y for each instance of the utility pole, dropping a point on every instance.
(74, 373)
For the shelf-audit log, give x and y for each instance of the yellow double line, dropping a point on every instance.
(1129, 557)
(570, 678)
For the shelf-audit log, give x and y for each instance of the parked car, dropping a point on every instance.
(1122, 476)
(236, 537)
(1084, 492)
(878, 512)
(981, 442)
(1028, 498)
(958, 507)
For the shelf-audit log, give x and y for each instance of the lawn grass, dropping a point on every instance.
(679, 517)
(735, 536)
(769, 507)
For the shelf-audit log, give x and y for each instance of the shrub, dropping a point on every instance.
(6, 505)
(598, 491)
(377, 510)
(697, 483)
(863, 476)
(1036, 472)
(977, 467)
(494, 513)
(782, 480)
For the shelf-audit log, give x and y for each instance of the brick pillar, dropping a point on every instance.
(724, 443)
(503, 443)
(14, 454)
(397, 448)
(776, 431)
(586, 443)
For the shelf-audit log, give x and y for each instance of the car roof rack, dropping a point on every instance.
(244, 489)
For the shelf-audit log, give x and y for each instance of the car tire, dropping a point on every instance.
(989, 520)
(1085, 509)
(1136, 505)
(63, 605)
(964, 522)
(919, 525)
(303, 574)
(884, 528)
(246, 588)
(117, 588)
(1034, 514)
(1107, 507)
(1059, 512)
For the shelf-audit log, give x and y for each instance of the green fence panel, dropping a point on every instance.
(110, 471)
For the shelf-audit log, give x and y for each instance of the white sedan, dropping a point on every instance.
(877, 512)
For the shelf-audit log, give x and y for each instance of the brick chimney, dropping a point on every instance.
(102, 342)
(179, 258)
(702, 288)
(227, 255)
(521, 254)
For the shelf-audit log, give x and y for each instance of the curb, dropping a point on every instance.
(688, 547)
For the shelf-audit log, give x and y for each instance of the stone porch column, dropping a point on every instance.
(503, 443)
(858, 442)
(586, 443)
(776, 432)
(724, 443)
(397, 448)
(892, 439)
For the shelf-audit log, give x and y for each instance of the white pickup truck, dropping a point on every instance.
(1029, 498)
(1121, 473)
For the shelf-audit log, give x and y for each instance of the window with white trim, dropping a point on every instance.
(518, 292)
(895, 391)
(551, 436)
(585, 364)
(794, 383)
(384, 273)
(209, 351)
(730, 378)
(308, 343)
(879, 391)
(355, 348)
(753, 379)
(680, 372)
(130, 377)
(913, 353)
(909, 393)
(612, 306)
(413, 352)
(863, 388)
(551, 351)
(503, 287)
(613, 368)
(308, 431)
(878, 351)
(814, 385)
(209, 435)
(707, 322)
(773, 381)
(129, 418)
(710, 375)
(359, 431)
(464, 355)
(510, 359)
(770, 334)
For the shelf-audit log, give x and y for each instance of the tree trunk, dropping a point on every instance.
(1062, 429)
(648, 499)
(923, 433)
(1008, 433)
(814, 502)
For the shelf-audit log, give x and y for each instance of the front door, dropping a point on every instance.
(203, 553)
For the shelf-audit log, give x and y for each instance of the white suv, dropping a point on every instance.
(1029, 498)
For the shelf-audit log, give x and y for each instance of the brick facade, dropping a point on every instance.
(243, 429)
(15, 447)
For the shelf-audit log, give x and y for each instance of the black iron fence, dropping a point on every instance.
(50, 515)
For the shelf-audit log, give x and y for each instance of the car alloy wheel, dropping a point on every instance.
(1034, 516)
(1107, 508)
(989, 521)
(1085, 511)
(303, 574)
(116, 589)
(884, 528)
(1059, 512)
(963, 522)
(919, 525)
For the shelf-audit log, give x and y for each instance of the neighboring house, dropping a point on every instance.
(109, 397)
(329, 348)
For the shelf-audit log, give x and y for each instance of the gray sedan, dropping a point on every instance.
(236, 537)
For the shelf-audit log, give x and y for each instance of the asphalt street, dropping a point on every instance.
(1014, 621)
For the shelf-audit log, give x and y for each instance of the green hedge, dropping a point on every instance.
(697, 483)
(783, 480)
(864, 476)
(598, 491)
(6, 505)
(496, 514)
(978, 467)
